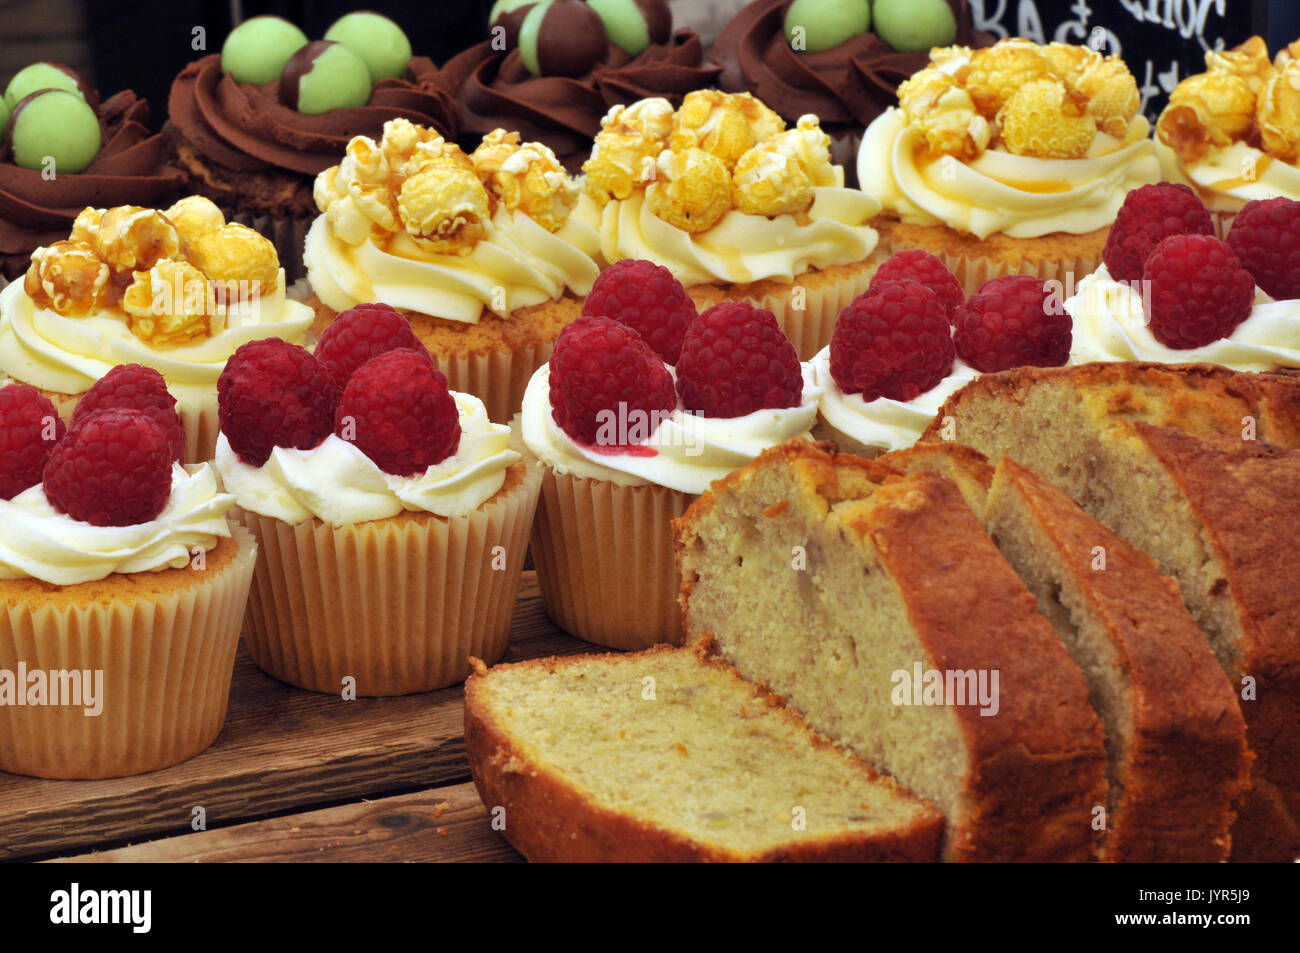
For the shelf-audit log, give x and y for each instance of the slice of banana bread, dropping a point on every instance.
(879, 607)
(1174, 731)
(663, 755)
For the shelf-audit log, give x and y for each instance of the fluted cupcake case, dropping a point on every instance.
(167, 653)
(396, 605)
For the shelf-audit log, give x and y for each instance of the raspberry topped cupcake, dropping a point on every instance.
(177, 290)
(251, 126)
(1232, 133)
(913, 339)
(1011, 159)
(628, 440)
(97, 151)
(479, 251)
(119, 574)
(735, 205)
(393, 513)
(1169, 291)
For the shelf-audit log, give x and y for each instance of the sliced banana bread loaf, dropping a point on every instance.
(879, 607)
(662, 755)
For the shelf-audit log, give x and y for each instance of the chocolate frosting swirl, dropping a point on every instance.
(130, 169)
(847, 85)
(245, 128)
(495, 90)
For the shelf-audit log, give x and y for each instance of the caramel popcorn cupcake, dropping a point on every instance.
(1233, 132)
(176, 290)
(735, 205)
(478, 250)
(1011, 159)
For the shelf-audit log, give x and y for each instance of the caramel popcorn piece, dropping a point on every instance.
(239, 259)
(527, 177)
(994, 74)
(68, 278)
(1278, 114)
(1288, 53)
(725, 125)
(131, 238)
(624, 153)
(943, 114)
(1249, 61)
(86, 225)
(1070, 61)
(444, 207)
(692, 191)
(193, 217)
(810, 147)
(1207, 110)
(171, 304)
(770, 182)
(407, 148)
(1036, 122)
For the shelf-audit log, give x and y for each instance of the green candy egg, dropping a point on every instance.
(562, 38)
(257, 49)
(815, 25)
(57, 124)
(625, 24)
(38, 76)
(4, 115)
(502, 7)
(376, 39)
(325, 75)
(915, 26)
(528, 31)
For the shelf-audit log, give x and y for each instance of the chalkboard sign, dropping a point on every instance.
(1163, 41)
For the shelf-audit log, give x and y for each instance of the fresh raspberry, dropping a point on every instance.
(274, 394)
(398, 411)
(1013, 321)
(1199, 291)
(1149, 215)
(136, 387)
(601, 367)
(925, 269)
(360, 333)
(892, 342)
(1266, 237)
(736, 360)
(114, 468)
(29, 429)
(647, 298)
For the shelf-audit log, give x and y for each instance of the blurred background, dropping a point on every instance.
(125, 44)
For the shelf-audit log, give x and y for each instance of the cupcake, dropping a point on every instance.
(102, 151)
(177, 290)
(627, 442)
(550, 71)
(1169, 291)
(479, 251)
(1011, 159)
(393, 515)
(736, 205)
(1233, 132)
(841, 61)
(913, 339)
(252, 126)
(123, 587)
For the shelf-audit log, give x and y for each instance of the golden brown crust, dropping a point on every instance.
(813, 280)
(965, 466)
(548, 819)
(1187, 759)
(1015, 254)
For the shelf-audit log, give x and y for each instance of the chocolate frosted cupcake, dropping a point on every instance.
(846, 84)
(127, 167)
(572, 64)
(251, 132)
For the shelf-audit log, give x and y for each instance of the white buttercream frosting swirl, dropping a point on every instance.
(686, 452)
(39, 542)
(516, 264)
(336, 483)
(999, 192)
(1110, 324)
(1226, 179)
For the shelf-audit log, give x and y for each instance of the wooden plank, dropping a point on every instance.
(281, 749)
(444, 825)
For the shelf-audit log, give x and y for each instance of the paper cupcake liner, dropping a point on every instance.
(973, 271)
(288, 235)
(497, 378)
(399, 605)
(201, 422)
(825, 430)
(605, 561)
(166, 661)
(1223, 223)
